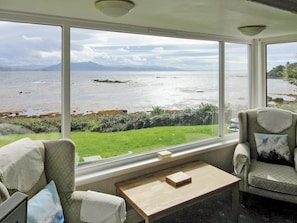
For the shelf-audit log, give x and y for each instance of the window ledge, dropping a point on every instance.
(100, 171)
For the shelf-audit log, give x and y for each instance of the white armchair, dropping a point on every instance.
(265, 157)
(52, 160)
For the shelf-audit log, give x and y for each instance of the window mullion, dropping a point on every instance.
(66, 81)
(221, 118)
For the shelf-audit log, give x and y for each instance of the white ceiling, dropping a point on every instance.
(218, 17)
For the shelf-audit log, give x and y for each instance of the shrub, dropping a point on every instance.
(157, 111)
(205, 114)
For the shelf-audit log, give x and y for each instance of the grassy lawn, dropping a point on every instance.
(119, 143)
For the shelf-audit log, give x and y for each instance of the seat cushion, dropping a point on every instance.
(273, 177)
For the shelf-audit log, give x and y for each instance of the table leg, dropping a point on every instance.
(235, 202)
(147, 220)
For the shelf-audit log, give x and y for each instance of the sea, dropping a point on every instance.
(39, 92)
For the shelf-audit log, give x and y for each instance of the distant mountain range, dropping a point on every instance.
(88, 66)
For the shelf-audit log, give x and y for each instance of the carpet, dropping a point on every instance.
(218, 210)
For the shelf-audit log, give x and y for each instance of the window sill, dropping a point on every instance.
(116, 167)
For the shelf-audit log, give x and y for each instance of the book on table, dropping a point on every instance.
(178, 179)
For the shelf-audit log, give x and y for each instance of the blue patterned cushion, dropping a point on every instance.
(45, 206)
(273, 148)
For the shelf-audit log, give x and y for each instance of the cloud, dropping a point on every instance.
(31, 38)
(139, 58)
(49, 54)
(27, 44)
(123, 50)
(22, 44)
(83, 53)
(158, 50)
(280, 54)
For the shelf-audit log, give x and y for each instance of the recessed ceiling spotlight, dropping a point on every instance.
(251, 30)
(114, 8)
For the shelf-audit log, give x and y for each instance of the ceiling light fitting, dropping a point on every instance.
(251, 30)
(114, 8)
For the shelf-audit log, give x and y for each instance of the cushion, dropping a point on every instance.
(273, 148)
(277, 178)
(45, 206)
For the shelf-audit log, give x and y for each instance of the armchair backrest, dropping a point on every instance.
(249, 124)
(59, 162)
(52, 160)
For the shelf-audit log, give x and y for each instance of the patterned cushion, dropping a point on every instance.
(273, 148)
(45, 206)
(273, 177)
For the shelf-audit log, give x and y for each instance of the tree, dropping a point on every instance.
(287, 72)
(291, 73)
(276, 72)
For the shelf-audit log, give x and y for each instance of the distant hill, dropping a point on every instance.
(91, 66)
(76, 66)
(22, 68)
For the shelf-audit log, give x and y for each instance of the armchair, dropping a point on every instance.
(266, 156)
(53, 161)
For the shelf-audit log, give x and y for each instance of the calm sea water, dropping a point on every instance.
(37, 92)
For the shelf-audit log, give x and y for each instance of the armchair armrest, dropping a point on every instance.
(71, 203)
(3, 192)
(241, 163)
(241, 157)
(110, 204)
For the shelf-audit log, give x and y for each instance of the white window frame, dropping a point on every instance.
(259, 55)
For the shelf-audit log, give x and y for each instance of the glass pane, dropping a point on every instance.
(30, 90)
(282, 75)
(236, 84)
(135, 93)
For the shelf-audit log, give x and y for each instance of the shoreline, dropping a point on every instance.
(4, 115)
(17, 114)
(42, 113)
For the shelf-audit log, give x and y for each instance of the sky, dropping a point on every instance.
(28, 44)
(280, 54)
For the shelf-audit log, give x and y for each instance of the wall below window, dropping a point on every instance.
(221, 158)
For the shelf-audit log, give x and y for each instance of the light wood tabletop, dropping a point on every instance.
(152, 197)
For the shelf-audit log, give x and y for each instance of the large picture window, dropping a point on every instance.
(282, 75)
(30, 92)
(135, 93)
(129, 93)
(236, 84)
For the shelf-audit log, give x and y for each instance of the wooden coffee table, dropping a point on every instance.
(152, 197)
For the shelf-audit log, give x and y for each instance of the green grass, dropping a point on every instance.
(4, 140)
(119, 143)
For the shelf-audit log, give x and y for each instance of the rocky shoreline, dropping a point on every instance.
(18, 114)
(22, 114)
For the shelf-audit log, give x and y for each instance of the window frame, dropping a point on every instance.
(116, 166)
(259, 60)
(274, 41)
